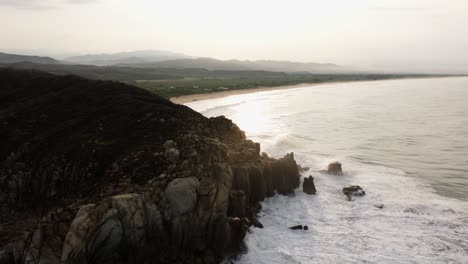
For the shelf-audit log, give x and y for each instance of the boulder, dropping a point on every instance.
(335, 168)
(308, 185)
(296, 227)
(181, 195)
(353, 190)
(122, 225)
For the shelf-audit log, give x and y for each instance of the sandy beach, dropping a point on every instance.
(198, 97)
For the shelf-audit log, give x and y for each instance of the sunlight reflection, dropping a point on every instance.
(250, 117)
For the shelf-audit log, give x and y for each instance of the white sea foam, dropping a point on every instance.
(416, 225)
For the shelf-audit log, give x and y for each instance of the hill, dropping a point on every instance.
(258, 65)
(13, 58)
(103, 172)
(172, 82)
(141, 56)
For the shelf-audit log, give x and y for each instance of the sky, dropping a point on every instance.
(387, 34)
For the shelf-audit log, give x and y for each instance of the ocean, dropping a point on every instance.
(405, 142)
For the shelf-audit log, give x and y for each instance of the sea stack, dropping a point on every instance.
(308, 185)
(335, 168)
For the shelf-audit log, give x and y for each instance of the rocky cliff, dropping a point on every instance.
(103, 172)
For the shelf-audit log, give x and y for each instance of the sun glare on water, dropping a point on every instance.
(250, 117)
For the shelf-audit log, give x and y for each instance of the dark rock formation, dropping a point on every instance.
(103, 172)
(354, 190)
(296, 227)
(335, 168)
(308, 185)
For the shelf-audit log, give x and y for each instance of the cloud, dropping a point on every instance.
(41, 4)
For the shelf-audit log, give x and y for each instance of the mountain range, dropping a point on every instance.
(246, 65)
(168, 59)
(14, 58)
(140, 56)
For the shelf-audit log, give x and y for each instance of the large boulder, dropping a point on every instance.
(308, 185)
(124, 225)
(181, 197)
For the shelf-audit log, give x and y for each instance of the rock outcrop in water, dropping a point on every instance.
(308, 186)
(335, 168)
(353, 190)
(103, 172)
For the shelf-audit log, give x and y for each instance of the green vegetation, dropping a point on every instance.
(172, 82)
(187, 86)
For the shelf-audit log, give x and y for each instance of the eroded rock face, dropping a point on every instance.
(117, 184)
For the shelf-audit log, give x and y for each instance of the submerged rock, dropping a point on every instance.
(335, 168)
(354, 190)
(308, 185)
(296, 227)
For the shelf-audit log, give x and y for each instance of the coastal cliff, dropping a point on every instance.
(103, 172)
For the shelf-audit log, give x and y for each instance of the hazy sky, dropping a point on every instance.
(397, 33)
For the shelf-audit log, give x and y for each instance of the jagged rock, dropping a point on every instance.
(335, 168)
(354, 190)
(127, 193)
(256, 223)
(308, 185)
(306, 227)
(285, 174)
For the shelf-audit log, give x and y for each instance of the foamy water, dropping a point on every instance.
(404, 141)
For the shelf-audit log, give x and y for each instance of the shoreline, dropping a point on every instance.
(207, 96)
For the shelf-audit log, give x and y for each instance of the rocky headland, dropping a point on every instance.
(103, 172)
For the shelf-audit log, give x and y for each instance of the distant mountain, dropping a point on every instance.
(202, 63)
(14, 58)
(238, 65)
(141, 56)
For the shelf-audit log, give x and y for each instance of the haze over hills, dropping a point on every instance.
(14, 58)
(258, 65)
(168, 59)
(140, 56)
